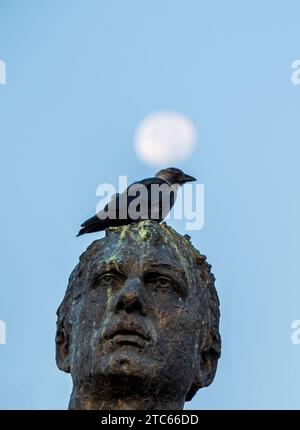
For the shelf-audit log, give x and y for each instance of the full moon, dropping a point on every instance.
(164, 138)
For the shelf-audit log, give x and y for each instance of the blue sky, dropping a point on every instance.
(81, 75)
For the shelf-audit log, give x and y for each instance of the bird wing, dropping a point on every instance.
(103, 214)
(121, 205)
(157, 201)
(148, 182)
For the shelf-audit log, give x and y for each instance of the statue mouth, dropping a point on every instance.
(121, 335)
(129, 338)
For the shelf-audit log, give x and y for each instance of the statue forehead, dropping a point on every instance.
(133, 253)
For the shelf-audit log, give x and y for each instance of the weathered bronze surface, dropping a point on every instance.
(138, 327)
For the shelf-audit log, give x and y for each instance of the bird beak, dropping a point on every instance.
(187, 178)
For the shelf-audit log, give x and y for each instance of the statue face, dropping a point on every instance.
(137, 321)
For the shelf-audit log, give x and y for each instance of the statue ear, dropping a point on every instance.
(205, 372)
(62, 349)
(208, 366)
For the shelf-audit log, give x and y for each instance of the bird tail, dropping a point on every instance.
(92, 225)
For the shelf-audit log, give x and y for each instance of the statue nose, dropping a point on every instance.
(130, 297)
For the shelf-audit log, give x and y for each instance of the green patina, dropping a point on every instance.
(109, 295)
(143, 232)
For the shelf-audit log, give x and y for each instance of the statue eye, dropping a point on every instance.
(163, 283)
(160, 283)
(107, 280)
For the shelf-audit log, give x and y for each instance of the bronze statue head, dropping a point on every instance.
(138, 327)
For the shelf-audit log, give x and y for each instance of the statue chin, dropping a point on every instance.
(126, 362)
(122, 374)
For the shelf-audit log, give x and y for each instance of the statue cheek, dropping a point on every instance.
(173, 323)
(93, 312)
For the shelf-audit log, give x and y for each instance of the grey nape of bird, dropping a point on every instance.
(168, 177)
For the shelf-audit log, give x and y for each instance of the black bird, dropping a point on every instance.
(150, 198)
